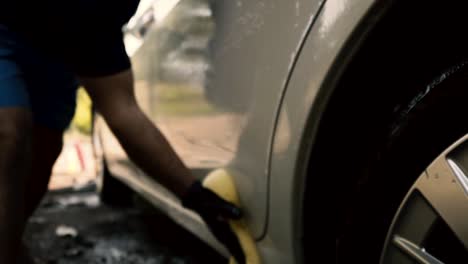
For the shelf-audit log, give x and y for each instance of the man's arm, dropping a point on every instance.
(114, 98)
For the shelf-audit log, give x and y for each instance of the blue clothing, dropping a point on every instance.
(30, 79)
(44, 43)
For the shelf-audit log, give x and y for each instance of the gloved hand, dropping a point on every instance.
(216, 212)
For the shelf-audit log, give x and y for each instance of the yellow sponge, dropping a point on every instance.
(221, 182)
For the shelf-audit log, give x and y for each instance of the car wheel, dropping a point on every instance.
(412, 207)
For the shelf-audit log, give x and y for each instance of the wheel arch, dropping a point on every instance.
(345, 53)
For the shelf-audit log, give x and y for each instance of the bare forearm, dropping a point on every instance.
(114, 98)
(148, 148)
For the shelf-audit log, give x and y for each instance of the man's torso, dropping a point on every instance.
(71, 29)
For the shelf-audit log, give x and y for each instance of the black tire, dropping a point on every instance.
(113, 192)
(431, 122)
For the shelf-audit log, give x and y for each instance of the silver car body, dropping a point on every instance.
(244, 91)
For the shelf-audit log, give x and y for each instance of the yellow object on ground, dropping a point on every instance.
(221, 182)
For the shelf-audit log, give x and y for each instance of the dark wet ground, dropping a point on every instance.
(72, 227)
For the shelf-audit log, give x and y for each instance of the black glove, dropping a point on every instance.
(216, 212)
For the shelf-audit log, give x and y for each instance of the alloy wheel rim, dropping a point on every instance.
(439, 197)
